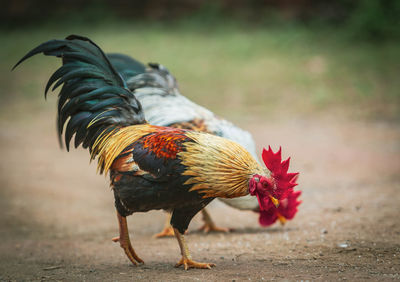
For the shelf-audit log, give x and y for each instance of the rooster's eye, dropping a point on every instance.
(265, 184)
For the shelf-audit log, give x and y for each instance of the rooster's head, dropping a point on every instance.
(271, 189)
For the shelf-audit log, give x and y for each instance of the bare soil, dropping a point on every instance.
(57, 216)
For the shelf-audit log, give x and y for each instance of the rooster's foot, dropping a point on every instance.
(188, 263)
(167, 232)
(211, 227)
(128, 249)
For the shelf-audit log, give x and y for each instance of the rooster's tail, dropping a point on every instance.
(94, 98)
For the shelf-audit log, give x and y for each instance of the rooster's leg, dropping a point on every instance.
(186, 259)
(168, 231)
(125, 242)
(209, 225)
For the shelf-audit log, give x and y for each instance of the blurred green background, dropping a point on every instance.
(241, 59)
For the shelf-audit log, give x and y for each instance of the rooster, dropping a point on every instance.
(151, 167)
(163, 105)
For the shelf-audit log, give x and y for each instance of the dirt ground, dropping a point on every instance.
(57, 216)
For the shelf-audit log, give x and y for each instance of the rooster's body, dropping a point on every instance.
(157, 91)
(151, 167)
(165, 168)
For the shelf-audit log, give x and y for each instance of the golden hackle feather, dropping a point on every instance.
(219, 167)
(109, 145)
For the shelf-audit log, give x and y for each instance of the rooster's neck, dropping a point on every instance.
(218, 167)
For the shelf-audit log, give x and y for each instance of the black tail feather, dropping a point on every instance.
(94, 98)
(125, 65)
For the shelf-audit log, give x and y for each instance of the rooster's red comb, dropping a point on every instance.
(279, 171)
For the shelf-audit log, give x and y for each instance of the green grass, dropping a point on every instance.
(231, 69)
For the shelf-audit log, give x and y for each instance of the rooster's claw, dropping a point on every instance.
(188, 263)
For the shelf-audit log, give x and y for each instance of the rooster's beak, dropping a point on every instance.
(274, 200)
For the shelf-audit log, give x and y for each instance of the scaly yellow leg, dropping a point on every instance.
(209, 225)
(186, 259)
(125, 242)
